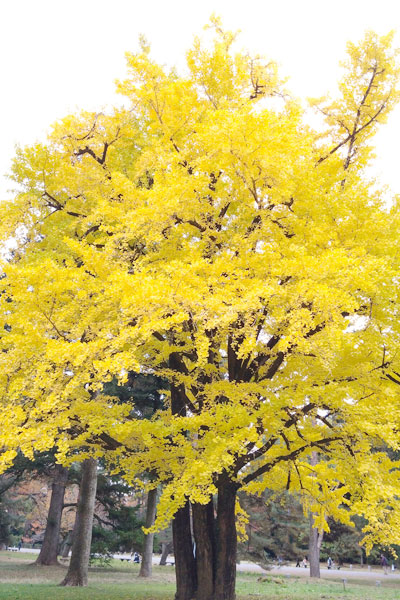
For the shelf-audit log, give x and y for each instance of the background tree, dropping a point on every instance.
(142, 391)
(48, 554)
(11, 507)
(118, 516)
(316, 535)
(147, 551)
(342, 543)
(276, 528)
(18, 481)
(77, 573)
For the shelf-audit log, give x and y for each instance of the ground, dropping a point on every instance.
(21, 580)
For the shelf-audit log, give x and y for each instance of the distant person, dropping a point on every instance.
(19, 545)
(298, 563)
(329, 562)
(384, 564)
(136, 558)
(304, 562)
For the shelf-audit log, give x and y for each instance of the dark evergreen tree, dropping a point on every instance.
(277, 528)
(143, 392)
(117, 520)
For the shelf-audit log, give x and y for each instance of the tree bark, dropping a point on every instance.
(67, 543)
(185, 564)
(49, 551)
(314, 548)
(77, 574)
(147, 555)
(204, 535)
(225, 578)
(315, 541)
(166, 549)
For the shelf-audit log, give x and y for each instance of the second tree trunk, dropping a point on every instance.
(77, 574)
(49, 550)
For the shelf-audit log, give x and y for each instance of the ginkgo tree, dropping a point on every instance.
(208, 234)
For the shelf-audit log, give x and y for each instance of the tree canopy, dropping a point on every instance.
(208, 234)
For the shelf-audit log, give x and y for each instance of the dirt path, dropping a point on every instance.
(342, 573)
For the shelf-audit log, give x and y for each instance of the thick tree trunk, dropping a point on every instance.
(204, 535)
(185, 564)
(147, 554)
(77, 574)
(49, 550)
(225, 578)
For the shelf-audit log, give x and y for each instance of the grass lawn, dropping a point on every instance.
(20, 580)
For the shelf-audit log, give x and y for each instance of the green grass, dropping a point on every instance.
(21, 580)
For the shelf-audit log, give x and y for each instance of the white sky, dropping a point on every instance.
(62, 55)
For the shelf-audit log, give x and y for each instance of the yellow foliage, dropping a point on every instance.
(209, 235)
